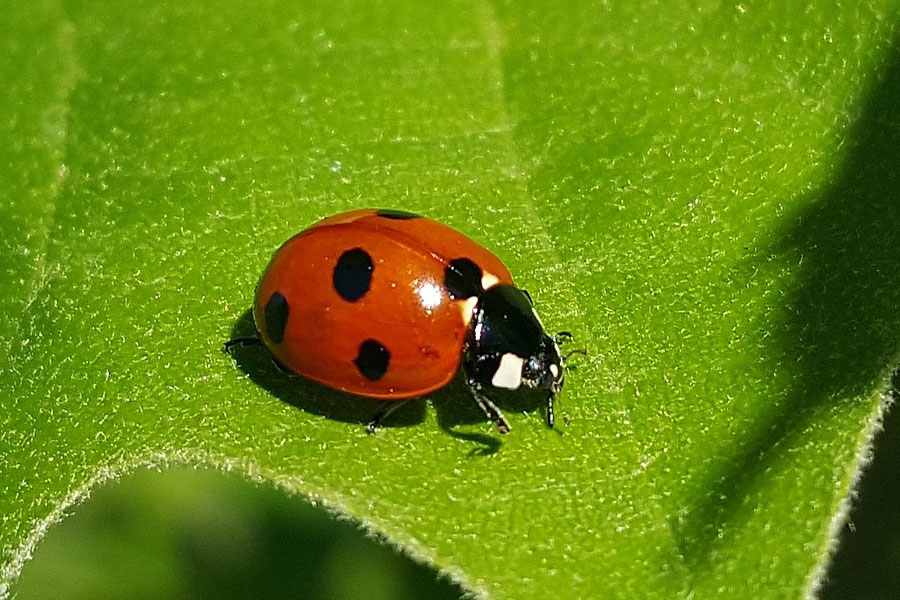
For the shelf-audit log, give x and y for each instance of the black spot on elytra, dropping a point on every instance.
(276, 315)
(372, 360)
(462, 278)
(352, 275)
(390, 213)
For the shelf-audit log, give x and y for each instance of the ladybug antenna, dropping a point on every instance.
(562, 337)
(566, 336)
(580, 351)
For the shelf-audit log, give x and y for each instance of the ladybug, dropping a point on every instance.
(388, 304)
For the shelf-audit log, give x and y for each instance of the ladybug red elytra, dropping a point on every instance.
(388, 304)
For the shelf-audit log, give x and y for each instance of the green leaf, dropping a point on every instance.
(704, 194)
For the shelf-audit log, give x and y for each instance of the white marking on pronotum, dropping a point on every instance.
(509, 374)
(488, 281)
(468, 309)
(538, 318)
(554, 370)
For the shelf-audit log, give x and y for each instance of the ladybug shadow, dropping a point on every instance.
(453, 404)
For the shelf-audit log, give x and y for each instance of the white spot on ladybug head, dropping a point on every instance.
(509, 374)
(488, 281)
(430, 295)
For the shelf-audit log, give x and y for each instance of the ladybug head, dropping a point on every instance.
(544, 369)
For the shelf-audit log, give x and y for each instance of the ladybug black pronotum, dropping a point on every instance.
(388, 304)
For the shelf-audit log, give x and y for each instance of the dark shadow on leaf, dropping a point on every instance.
(867, 561)
(840, 327)
(309, 396)
(451, 412)
(453, 404)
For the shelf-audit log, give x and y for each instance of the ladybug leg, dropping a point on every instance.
(375, 423)
(242, 342)
(280, 366)
(490, 409)
(551, 412)
(551, 418)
